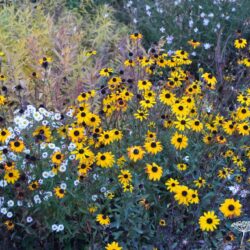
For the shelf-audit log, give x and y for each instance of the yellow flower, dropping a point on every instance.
(9, 224)
(76, 134)
(136, 36)
(92, 209)
(2, 100)
(57, 157)
(182, 195)
(106, 72)
(162, 223)
(209, 221)
(125, 177)
(59, 192)
(172, 184)
(45, 61)
(90, 53)
(103, 219)
(2, 77)
(179, 141)
(141, 114)
(12, 175)
(144, 85)
(147, 103)
(113, 246)
(167, 97)
(17, 146)
(210, 80)
(135, 153)
(153, 147)
(154, 171)
(128, 188)
(200, 182)
(182, 166)
(129, 63)
(182, 123)
(196, 125)
(194, 43)
(240, 43)
(105, 160)
(194, 198)
(231, 208)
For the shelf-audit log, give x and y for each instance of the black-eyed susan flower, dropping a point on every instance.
(33, 185)
(135, 153)
(2, 100)
(128, 187)
(182, 123)
(147, 103)
(194, 43)
(17, 146)
(153, 147)
(125, 177)
(9, 165)
(59, 192)
(229, 127)
(92, 209)
(179, 141)
(229, 237)
(144, 84)
(113, 246)
(181, 53)
(223, 173)
(209, 79)
(144, 203)
(182, 195)
(57, 158)
(90, 53)
(194, 197)
(4, 135)
(104, 220)
(76, 134)
(196, 125)
(83, 154)
(180, 109)
(172, 184)
(141, 114)
(162, 223)
(106, 137)
(136, 36)
(9, 225)
(117, 134)
(209, 221)
(243, 113)
(83, 168)
(92, 120)
(207, 139)
(45, 61)
(240, 43)
(11, 176)
(106, 72)
(105, 159)
(154, 171)
(129, 63)
(167, 97)
(243, 128)
(2, 77)
(182, 166)
(221, 139)
(42, 133)
(231, 208)
(200, 182)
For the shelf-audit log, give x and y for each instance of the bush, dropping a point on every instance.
(146, 159)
